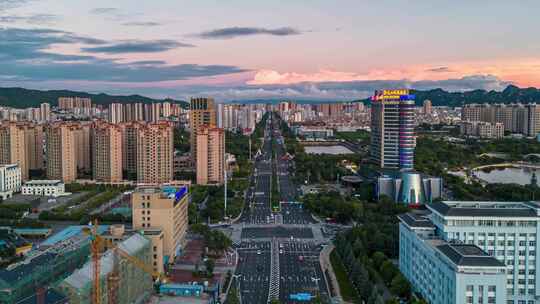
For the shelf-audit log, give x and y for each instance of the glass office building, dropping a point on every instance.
(409, 187)
(392, 129)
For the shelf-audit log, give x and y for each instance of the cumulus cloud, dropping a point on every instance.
(26, 55)
(263, 77)
(323, 91)
(104, 10)
(350, 90)
(439, 70)
(31, 44)
(136, 46)
(141, 23)
(37, 19)
(148, 62)
(111, 71)
(9, 17)
(234, 32)
(9, 4)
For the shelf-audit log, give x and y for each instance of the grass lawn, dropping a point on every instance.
(348, 293)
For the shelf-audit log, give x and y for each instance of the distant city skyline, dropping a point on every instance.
(242, 50)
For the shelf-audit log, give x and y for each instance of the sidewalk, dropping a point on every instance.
(327, 265)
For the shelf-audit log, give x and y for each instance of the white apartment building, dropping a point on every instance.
(10, 180)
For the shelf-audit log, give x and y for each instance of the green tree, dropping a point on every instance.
(400, 286)
(209, 265)
(378, 258)
(387, 271)
(232, 297)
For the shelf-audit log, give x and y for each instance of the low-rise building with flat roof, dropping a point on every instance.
(53, 188)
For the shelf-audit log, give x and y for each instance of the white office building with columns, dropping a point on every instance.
(507, 231)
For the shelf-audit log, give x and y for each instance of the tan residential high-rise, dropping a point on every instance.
(210, 155)
(45, 112)
(61, 152)
(130, 132)
(34, 141)
(156, 112)
(164, 209)
(68, 103)
(107, 153)
(533, 119)
(13, 147)
(166, 109)
(83, 145)
(427, 107)
(155, 153)
(202, 113)
(116, 113)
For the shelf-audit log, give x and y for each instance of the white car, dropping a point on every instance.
(258, 252)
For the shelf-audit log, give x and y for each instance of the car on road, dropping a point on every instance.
(258, 252)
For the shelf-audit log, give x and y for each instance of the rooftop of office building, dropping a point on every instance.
(9, 166)
(459, 254)
(176, 193)
(416, 220)
(468, 255)
(396, 173)
(43, 182)
(486, 209)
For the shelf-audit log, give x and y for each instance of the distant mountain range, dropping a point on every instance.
(440, 97)
(511, 94)
(24, 98)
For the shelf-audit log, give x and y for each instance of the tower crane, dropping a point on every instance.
(113, 278)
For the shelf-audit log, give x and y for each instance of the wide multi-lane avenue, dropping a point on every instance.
(278, 251)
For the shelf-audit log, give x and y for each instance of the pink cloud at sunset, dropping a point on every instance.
(523, 73)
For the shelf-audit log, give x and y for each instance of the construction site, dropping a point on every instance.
(122, 276)
(111, 264)
(29, 280)
(95, 264)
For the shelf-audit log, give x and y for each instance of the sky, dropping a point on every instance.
(295, 49)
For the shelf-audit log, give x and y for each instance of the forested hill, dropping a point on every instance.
(23, 98)
(511, 94)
